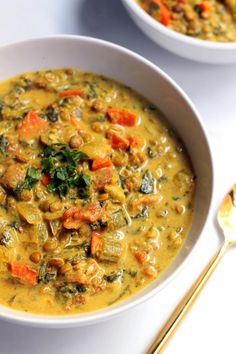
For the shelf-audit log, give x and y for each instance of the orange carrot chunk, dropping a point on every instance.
(45, 179)
(122, 117)
(163, 14)
(96, 243)
(73, 216)
(92, 213)
(117, 142)
(70, 93)
(23, 272)
(31, 127)
(101, 163)
(69, 213)
(204, 6)
(134, 141)
(102, 177)
(150, 272)
(140, 256)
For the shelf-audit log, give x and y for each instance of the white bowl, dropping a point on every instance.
(121, 64)
(180, 44)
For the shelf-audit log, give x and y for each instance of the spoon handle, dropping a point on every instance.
(185, 304)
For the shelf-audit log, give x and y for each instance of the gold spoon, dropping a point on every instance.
(226, 218)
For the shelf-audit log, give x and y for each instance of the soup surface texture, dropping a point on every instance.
(96, 192)
(210, 20)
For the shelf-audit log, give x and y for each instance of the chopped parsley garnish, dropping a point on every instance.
(31, 178)
(60, 162)
(83, 182)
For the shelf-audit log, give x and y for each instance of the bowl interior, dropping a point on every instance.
(122, 65)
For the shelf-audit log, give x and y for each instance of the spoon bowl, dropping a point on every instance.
(226, 218)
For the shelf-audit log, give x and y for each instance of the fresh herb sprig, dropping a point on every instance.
(60, 162)
(31, 178)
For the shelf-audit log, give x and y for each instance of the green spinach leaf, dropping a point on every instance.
(51, 114)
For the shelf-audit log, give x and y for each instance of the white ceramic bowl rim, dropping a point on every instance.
(35, 320)
(224, 46)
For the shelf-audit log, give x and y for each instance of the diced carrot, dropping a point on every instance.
(204, 6)
(45, 179)
(32, 126)
(117, 142)
(102, 177)
(134, 141)
(101, 163)
(23, 272)
(71, 223)
(122, 117)
(145, 6)
(164, 13)
(70, 93)
(69, 220)
(151, 199)
(96, 243)
(140, 256)
(76, 123)
(150, 272)
(79, 299)
(92, 213)
(165, 16)
(73, 217)
(69, 213)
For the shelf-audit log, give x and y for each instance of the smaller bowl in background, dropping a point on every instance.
(180, 44)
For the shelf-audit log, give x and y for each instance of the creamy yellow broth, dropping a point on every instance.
(96, 192)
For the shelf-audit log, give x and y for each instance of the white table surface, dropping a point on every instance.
(210, 326)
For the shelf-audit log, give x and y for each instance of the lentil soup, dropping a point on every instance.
(208, 19)
(96, 192)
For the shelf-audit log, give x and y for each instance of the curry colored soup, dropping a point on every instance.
(96, 192)
(208, 19)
